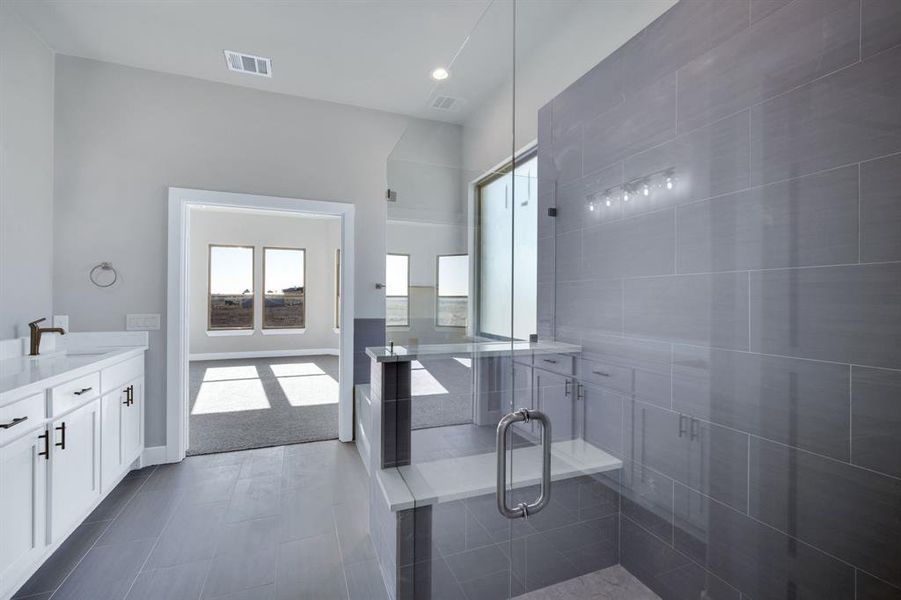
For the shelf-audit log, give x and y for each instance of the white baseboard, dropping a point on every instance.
(263, 354)
(154, 455)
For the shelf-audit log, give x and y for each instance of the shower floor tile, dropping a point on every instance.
(612, 583)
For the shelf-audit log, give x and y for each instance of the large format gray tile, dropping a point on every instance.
(696, 309)
(352, 521)
(880, 209)
(431, 579)
(847, 117)
(876, 419)
(648, 119)
(870, 588)
(106, 572)
(254, 499)
(881, 26)
(191, 535)
(305, 513)
(762, 8)
(758, 560)
(847, 314)
(633, 247)
(851, 513)
(311, 568)
(116, 500)
(144, 517)
(656, 564)
(245, 558)
(685, 31)
(799, 402)
(708, 161)
(56, 568)
(594, 306)
(647, 499)
(603, 416)
(472, 564)
(706, 457)
(596, 92)
(640, 368)
(582, 203)
(806, 40)
(181, 582)
(807, 221)
(566, 257)
(537, 563)
(364, 581)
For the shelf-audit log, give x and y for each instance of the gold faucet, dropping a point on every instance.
(36, 333)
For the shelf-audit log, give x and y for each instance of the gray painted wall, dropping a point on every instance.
(747, 319)
(26, 176)
(124, 135)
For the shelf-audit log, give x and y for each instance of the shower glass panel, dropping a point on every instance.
(674, 370)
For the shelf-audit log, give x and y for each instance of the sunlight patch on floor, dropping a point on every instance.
(423, 383)
(309, 390)
(230, 396)
(466, 362)
(295, 369)
(229, 373)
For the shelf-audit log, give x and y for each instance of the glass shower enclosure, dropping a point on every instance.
(643, 271)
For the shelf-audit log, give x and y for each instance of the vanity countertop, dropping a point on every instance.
(25, 375)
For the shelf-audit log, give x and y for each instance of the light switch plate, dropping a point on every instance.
(142, 322)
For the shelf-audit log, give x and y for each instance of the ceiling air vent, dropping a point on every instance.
(248, 63)
(446, 103)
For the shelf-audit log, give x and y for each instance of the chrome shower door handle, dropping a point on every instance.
(523, 509)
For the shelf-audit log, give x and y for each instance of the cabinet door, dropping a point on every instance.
(133, 424)
(111, 408)
(555, 398)
(74, 468)
(23, 514)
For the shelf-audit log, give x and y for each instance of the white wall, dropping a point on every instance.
(124, 135)
(26, 176)
(589, 34)
(319, 236)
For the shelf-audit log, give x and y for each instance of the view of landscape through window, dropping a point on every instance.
(231, 287)
(397, 290)
(453, 290)
(283, 281)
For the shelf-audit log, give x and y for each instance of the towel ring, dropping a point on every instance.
(104, 266)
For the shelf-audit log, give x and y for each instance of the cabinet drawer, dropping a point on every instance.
(74, 393)
(120, 374)
(21, 416)
(608, 375)
(558, 363)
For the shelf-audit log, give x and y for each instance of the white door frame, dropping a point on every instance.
(180, 200)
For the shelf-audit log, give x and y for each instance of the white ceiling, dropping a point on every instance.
(370, 53)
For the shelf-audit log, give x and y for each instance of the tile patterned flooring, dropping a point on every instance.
(282, 522)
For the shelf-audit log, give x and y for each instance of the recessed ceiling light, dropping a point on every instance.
(440, 74)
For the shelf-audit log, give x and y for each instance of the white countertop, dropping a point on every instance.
(25, 375)
(403, 353)
(451, 479)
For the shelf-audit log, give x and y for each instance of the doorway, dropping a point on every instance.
(260, 314)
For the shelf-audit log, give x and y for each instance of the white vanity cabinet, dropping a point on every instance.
(66, 440)
(23, 497)
(74, 467)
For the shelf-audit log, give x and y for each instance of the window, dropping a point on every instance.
(230, 287)
(397, 290)
(508, 243)
(338, 288)
(284, 301)
(453, 290)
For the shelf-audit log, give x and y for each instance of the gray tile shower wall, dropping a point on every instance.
(741, 316)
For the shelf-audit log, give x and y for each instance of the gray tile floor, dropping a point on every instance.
(282, 522)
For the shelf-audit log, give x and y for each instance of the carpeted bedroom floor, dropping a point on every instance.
(253, 403)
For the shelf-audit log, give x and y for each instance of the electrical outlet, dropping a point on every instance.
(142, 322)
